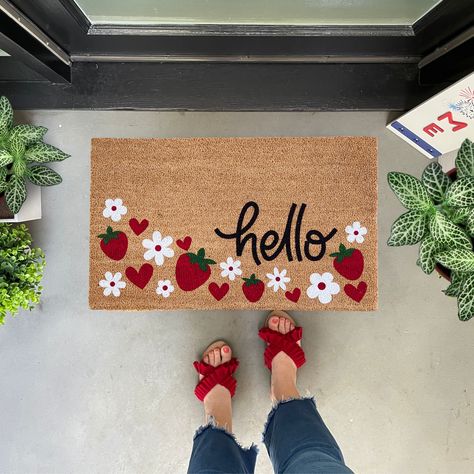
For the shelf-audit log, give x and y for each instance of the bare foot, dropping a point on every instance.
(283, 384)
(217, 403)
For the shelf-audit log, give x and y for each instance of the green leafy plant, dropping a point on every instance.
(21, 270)
(440, 218)
(22, 154)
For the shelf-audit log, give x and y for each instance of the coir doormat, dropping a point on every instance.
(284, 223)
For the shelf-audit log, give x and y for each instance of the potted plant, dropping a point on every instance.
(22, 158)
(21, 270)
(441, 218)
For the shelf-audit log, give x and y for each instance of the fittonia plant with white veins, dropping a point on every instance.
(22, 154)
(441, 218)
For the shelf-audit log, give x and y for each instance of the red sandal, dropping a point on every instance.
(277, 342)
(220, 375)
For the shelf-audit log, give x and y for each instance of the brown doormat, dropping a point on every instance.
(284, 223)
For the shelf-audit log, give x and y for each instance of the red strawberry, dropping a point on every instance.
(193, 270)
(114, 243)
(253, 288)
(348, 262)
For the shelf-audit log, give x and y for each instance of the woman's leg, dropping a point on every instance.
(296, 437)
(215, 449)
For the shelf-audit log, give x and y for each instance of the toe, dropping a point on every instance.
(212, 359)
(217, 356)
(206, 359)
(292, 326)
(273, 323)
(281, 326)
(226, 353)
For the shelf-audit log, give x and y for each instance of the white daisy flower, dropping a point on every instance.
(114, 209)
(231, 268)
(355, 232)
(164, 288)
(112, 284)
(158, 248)
(277, 279)
(322, 287)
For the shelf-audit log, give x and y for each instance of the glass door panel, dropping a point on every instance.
(255, 12)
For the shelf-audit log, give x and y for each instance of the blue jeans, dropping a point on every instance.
(296, 438)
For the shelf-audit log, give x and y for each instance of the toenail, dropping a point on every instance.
(274, 320)
(225, 349)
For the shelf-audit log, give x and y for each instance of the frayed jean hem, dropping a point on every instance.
(277, 405)
(211, 425)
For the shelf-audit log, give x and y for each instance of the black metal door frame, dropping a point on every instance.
(165, 67)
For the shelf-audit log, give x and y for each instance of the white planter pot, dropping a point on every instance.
(31, 208)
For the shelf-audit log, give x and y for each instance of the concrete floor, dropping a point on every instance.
(96, 392)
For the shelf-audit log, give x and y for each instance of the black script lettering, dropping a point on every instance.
(321, 241)
(271, 241)
(241, 229)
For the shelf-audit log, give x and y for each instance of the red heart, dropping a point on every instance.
(138, 227)
(218, 291)
(141, 277)
(356, 293)
(185, 243)
(294, 295)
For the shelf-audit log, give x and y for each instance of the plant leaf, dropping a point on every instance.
(460, 215)
(466, 300)
(429, 247)
(461, 192)
(6, 116)
(44, 153)
(408, 229)
(457, 282)
(447, 233)
(457, 260)
(435, 182)
(19, 167)
(15, 194)
(43, 176)
(16, 147)
(3, 179)
(5, 157)
(28, 134)
(465, 159)
(409, 191)
(470, 223)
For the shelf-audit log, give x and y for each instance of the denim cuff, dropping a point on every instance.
(211, 425)
(277, 405)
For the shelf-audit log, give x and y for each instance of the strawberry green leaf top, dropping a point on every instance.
(253, 280)
(109, 235)
(348, 262)
(200, 259)
(343, 253)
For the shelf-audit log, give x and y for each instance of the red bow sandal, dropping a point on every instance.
(277, 342)
(212, 376)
